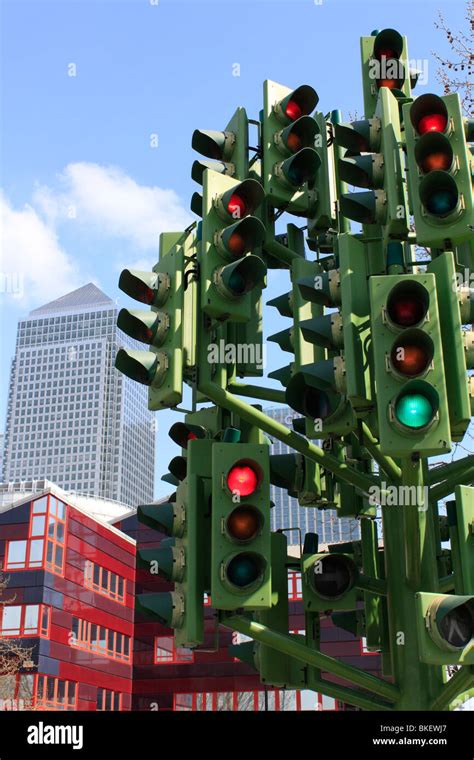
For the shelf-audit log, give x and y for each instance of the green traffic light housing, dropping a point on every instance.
(235, 280)
(325, 331)
(148, 287)
(362, 136)
(298, 169)
(324, 288)
(147, 326)
(145, 367)
(183, 432)
(363, 171)
(167, 518)
(367, 207)
(240, 200)
(166, 607)
(167, 562)
(199, 167)
(299, 102)
(240, 237)
(300, 134)
(213, 144)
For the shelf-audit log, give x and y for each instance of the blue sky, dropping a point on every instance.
(87, 84)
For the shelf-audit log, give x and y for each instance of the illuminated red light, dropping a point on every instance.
(392, 84)
(145, 294)
(192, 437)
(293, 110)
(237, 206)
(242, 480)
(433, 122)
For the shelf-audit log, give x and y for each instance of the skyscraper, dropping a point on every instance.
(288, 514)
(72, 417)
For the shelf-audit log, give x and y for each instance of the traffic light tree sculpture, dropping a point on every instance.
(381, 349)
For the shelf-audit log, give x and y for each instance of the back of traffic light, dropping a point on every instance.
(408, 366)
(229, 149)
(329, 580)
(374, 160)
(186, 560)
(439, 170)
(240, 550)
(168, 329)
(228, 271)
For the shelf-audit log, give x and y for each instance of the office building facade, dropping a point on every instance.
(72, 418)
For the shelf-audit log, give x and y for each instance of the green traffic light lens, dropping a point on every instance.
(244, 570)
(237, 283)
(414, 410)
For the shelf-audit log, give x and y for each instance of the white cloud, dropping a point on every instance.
(34, 268)
(112, 203)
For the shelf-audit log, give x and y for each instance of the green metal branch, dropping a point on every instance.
(443, 489)
(344, 694)
(437, 474)
(287, 645)
(223, 398)
(255, 391)
(387, 464)
(374, 585)
(280, 252)
(460, 682)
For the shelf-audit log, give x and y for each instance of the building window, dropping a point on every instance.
(166, 652)
(364, 650)
(56, 694)
(45, 544)
(24, 620)
(108, 700)
(104, 581)
(294, 585)
(97, 638)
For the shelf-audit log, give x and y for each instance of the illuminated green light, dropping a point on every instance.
(414, 410)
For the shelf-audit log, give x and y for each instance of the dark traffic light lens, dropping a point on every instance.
(244, 523)
(333, 576)
(433, 122)
(243, 570)
(457, 627)
(442, 202)
(294, 142)
(407, 304)
(414, 410)
(236, 244)
(293, 110)
(237, 283)
(316, 404)
(242, 479)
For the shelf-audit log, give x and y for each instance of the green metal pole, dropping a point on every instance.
(223, 398)
(287, 645)
(349, 696)
(410, 565)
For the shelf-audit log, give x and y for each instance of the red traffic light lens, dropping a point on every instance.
(294, 142)
(436, 161)
(410, 359)
(293, 110)
(192, 437)
(236, 244)
(433, 122)
(236, 206)
(407, 304)
(386, 53)
(243, 523)
(242, 479)
(407, 312)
